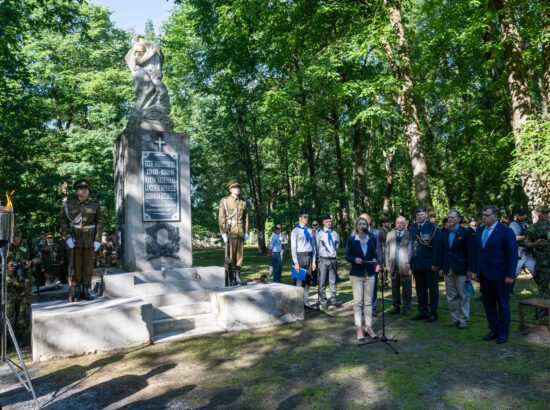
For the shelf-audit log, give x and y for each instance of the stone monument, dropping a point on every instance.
(153, 205)
(156, 295)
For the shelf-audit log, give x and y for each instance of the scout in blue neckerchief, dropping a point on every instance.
(303, 250)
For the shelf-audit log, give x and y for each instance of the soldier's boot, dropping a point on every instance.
(238, 279)
(74, 294)
(86, 293)
(232, 278)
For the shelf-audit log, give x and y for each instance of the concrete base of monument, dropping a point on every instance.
(155, 306)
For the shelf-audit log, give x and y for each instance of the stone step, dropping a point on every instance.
(178, 298)
(180, 310)
(179, 324)
(187, 334)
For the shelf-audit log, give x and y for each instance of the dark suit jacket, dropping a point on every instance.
(461, 256)
(353, 250)
(423, 257)
(499, 258)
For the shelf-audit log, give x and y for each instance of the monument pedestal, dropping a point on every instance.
(153, 201)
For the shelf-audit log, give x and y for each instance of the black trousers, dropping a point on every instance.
(427, 291)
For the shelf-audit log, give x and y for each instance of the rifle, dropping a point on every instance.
(227, 264)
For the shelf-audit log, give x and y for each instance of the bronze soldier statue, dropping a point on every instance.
(233, 222)
(81, 226)
(52, 259)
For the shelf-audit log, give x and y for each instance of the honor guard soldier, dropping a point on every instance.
(81, 226)
(424, 263)
(52, 259)
(19, 281)
(233, 222)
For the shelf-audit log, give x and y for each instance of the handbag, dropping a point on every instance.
(301, 274)
(469, 288)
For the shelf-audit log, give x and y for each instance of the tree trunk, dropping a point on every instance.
(359, 172)
(388, 163)
(402, 71)
(342, 189)
(521, 101)
(545, 58)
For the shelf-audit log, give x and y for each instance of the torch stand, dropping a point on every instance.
(6, 231)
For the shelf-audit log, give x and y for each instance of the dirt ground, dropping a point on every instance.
(314, 364)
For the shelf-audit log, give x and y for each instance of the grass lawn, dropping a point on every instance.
(313, 364)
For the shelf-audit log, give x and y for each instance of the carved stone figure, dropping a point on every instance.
(152, 108)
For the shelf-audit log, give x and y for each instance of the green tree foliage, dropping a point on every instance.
(70, 97)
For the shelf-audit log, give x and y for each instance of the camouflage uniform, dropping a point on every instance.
(540, 230)
(19, 293)
(52, 260)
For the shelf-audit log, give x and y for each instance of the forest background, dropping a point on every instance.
(334, 106)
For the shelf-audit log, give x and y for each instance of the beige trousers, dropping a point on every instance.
(363, 293)
(459, 303)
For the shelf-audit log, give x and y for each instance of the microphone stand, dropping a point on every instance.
(383, 338)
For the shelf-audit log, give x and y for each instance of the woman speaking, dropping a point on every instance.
(361, 254)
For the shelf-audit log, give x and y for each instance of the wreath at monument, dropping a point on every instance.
(154, 249)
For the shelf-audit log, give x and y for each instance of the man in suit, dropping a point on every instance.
(457, 266)
(397, 265)
(497, 257)
(424, 251)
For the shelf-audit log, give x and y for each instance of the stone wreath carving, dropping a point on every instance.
(155, 249)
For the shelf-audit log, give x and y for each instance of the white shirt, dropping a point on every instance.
(364, 243)
(324, 247)
(299, 242)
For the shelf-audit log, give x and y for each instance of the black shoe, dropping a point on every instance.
(492, 335)
(502, 339)
(86, 293)
(394, 311)
(238, 279)
(336, 303)
(420, 316)
(74, 294)
(431, 318)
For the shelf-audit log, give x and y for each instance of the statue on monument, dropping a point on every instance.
(152, 109)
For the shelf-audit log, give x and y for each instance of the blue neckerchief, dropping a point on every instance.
(330, 240)
(306, 232)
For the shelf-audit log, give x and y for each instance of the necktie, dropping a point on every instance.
(485, 236)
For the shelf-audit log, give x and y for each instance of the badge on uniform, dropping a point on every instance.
(301, 274)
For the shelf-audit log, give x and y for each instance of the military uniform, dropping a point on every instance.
(540, 230)
(233, 223)
(52, 260)
(20, 289)
(83, 222)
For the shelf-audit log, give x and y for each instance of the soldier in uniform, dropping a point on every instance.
(36, 248)
(107, 251)
(538, 241)
(424, 251)
(81, 226)
(52, 259)
(233, 222)
(20, 261)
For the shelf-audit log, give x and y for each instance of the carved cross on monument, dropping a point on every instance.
(160, 142)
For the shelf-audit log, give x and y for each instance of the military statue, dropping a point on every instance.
(52, 259)
(81, 226)
(107, 251)
(538, 241)
(152, 108)
(233, 222)
(19, 280)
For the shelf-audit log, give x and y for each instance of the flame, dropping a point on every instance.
(9, 203)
